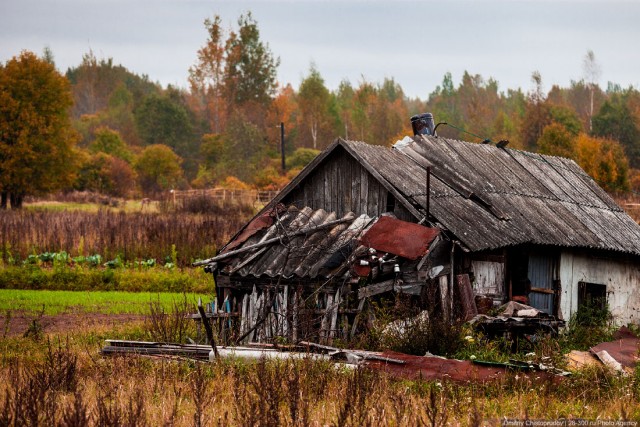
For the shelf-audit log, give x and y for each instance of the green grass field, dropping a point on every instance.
(107, 302)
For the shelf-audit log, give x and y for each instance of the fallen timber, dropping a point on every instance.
(257, 351)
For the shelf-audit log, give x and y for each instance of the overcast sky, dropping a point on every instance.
(414, 42)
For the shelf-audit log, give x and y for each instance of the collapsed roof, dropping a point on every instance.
(292, 243)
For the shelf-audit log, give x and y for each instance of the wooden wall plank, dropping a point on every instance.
(355, 189)
(364, 190)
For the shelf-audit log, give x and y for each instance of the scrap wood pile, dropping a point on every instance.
(251, 351)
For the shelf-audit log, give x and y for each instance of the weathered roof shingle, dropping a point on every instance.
(491, 197)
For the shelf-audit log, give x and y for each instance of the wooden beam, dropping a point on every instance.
(375, 289)
(543, 291)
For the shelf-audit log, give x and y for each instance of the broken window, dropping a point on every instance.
(592, 295)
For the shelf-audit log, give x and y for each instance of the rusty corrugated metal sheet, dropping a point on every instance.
(624, 349)
(260, 222)
(490, 197)
(406, 239)
(316, 254)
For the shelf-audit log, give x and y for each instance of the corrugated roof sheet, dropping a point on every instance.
(491, 197)
(406, 239)
(315, 254)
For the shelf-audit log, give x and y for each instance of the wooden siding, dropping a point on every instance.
(340, 184)
(489, 278)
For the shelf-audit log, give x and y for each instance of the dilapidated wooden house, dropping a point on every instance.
(431, 213)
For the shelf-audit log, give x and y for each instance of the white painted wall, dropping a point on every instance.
(621, 277)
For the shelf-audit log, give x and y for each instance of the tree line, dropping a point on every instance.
(100, 127)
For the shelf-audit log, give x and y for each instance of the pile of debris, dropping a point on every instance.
(620, 355)
(517, 320)
(251, 351)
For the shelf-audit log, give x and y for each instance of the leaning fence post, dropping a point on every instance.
(207, 327)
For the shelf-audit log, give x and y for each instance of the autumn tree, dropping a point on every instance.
(537, 114)
(250, 67)
(592, 73)
(235, 70)
(604, 160)
(283, 109)
(106, 174)
(94, 81)
(556, 140)
(162, 119)
(442, 102)
(119, 114)
(158, 169)
(578, 97)
(245, 150)
(390, 114)
(36, 137)
(108, 141)
(206, 76)
(363, 103)
(616, 121)
(476, 110)
(344, 108)
(211, 155)
(313, 99)
(301, 158)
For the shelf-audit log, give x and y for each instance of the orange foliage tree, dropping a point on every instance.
(604, 160)
(36, 137)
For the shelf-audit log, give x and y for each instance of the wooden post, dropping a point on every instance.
(245, 314)
(207, 327)
(334, 315)
(294, 316)
(444, 296)
(324, 326)
(358, 314)
(285, 311)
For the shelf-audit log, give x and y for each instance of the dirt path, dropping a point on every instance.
(19, 322)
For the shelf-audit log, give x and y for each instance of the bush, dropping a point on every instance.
(404, 328)
(588, 326)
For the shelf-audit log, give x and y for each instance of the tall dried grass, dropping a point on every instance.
(139, 391)
(137, 235)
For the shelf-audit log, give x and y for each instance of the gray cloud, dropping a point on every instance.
(414, 42)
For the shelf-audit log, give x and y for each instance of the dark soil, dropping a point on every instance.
(19, 322)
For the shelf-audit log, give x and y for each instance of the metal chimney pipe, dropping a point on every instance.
(423, 124)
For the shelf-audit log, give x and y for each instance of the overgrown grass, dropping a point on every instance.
(53, 206)
(135, 279)
(73, 383)
(107, 302)
(62, 380)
